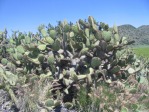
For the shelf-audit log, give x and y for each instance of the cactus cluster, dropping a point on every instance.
(68, 56)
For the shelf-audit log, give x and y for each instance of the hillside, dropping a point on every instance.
(140, 34)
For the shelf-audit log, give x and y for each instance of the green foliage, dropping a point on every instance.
(142, 51)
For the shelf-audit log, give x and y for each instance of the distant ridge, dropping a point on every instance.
(140, 34)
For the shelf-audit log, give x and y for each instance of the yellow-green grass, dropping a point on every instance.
(142, 51)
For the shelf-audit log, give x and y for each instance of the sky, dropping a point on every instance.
(27, 15)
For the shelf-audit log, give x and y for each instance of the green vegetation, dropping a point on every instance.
(142, 51)
(85, 66)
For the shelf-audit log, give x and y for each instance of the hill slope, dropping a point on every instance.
(140, 34)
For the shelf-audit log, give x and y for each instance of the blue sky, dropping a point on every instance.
(27, 15)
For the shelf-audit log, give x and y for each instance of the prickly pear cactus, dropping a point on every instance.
(66, 57)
